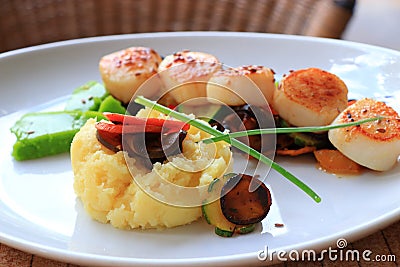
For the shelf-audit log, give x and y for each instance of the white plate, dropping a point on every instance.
(38, 209)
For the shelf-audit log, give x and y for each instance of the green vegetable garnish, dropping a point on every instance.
(87, 97)
(41, 134)
(227, 137)
(110, 104)
(239, 145)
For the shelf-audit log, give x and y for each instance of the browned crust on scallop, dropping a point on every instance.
(200, 64)
(314, 89)
(187, 56)
(387, 128)
(243, 71)
(132, 59)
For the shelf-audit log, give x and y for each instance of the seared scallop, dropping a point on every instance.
(310, 97)
(376, 144)
(185, 74)
(238, 86)
(123, 72)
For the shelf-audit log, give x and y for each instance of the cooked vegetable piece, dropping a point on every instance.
(151, 138)
(110, 104)
(112, 141)
(311, 139)
(245, 229)
(166, 125)
(109, 128)
(295, 152)
(47, 133)
(242, 207)
(334, 161)
(156, 147)
(223, 233)
(213, 214)
(87, 97)
(298, 143)
(248, 117)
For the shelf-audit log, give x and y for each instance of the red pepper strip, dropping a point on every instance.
(109, 133)
(117, 129)
(125, 119)
(148, 128)
(172, 107)
(169, 124)
(132, 120)
(351, 102)
(109, 128)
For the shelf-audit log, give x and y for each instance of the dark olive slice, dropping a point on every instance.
(242, 207)
(111, 142)
(248, 117)
(154, 146)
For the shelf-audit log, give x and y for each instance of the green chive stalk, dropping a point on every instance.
(227, 137)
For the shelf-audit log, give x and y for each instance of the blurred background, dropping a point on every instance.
(31, 22)
(375, 22)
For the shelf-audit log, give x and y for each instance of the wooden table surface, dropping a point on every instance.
(384, 244)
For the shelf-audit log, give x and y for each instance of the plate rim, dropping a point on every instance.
(197, 34)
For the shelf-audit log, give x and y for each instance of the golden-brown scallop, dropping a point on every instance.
(123, 72)
(310, 97)
(376, 144)
(185, 74)
(246, 84)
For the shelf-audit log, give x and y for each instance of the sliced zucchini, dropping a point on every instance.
(223, 233)
(310, 139)
(212, 211)
(214, 215)
(245, 229)
(318, 140)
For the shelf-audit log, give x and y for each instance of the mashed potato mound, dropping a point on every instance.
(109, 193)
